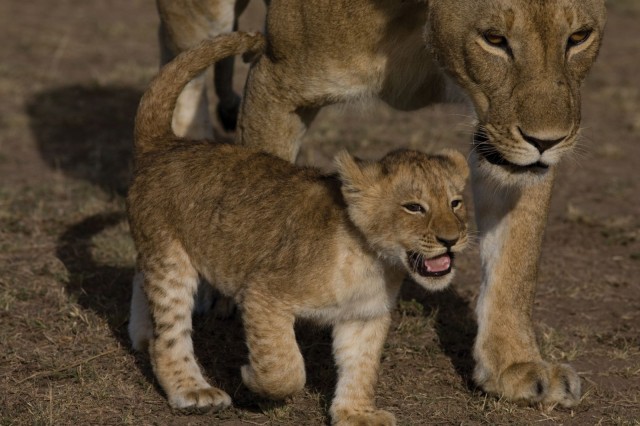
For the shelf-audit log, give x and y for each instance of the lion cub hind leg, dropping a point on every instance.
(140, 325)
(276, 367)
(357, 347)
(170, 282)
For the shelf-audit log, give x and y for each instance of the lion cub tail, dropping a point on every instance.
(155, 112)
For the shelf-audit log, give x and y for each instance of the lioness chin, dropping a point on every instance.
(520, 64)
(285, 243)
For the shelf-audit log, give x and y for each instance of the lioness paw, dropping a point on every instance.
(535, 382)
(200, 400)
(363, 418)
(564, 386)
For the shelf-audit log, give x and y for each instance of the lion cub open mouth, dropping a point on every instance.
(431, 267)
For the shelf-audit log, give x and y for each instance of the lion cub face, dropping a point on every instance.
(409, 207)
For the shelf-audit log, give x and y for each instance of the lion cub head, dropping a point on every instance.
(409, 208)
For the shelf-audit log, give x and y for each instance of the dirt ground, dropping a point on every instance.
(71, 75)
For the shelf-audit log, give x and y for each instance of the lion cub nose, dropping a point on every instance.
(541, 144)
(447, 242)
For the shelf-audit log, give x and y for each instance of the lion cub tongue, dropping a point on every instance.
(438, 264)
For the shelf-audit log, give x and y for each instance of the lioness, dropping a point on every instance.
(284, 242)
(520, 62)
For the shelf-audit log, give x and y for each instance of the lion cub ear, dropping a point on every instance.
(459, 161)
(356, 175)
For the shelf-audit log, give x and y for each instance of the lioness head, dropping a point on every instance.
(409, 208)
(521, 62)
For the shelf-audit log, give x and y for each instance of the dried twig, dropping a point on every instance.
(68, 367)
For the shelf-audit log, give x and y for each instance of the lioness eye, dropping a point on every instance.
(495, 39)
(414, 208)
(579, 37)
(455, 204)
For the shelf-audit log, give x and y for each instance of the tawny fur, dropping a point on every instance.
(284, 242)
(526, 94)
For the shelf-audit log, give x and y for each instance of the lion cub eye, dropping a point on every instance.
(414, 208)
(578, 37)
(455, 204)
(495, 39)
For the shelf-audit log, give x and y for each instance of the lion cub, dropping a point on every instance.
(284, 242)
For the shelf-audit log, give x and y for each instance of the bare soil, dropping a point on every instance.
(71, 75)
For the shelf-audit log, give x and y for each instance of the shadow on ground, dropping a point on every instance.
(454, 324)
(87, 132)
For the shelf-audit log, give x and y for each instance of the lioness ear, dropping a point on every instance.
(459, 161)
(354, 174)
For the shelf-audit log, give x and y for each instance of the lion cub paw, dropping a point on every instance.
(275, 386)
(541, 382)
(200, 400)
(363, 418)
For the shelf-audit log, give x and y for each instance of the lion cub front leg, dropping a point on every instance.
(508, 361)
(357, 347)
(170, 284)
(276, 367)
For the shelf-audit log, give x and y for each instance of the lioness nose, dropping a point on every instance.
(541, 144)
(447, 242)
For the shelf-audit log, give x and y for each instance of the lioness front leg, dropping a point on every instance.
(357, 346)
(508, 361)
(273, 118)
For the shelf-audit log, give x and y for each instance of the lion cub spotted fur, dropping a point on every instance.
(284, 242)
